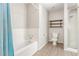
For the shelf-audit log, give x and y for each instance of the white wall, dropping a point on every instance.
(32, 21)
(43, 26)
(56, 15)
(19, 19)
(72, 29)
(33, 16)
(78, 25)
(19, 15)
(65, 25)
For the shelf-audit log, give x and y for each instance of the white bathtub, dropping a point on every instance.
(23, 46)
(27, 50)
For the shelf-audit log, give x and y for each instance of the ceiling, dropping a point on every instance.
(53, 6)
(72, 5)
(57, 6)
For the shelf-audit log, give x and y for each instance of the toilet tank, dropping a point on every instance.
(55, 35)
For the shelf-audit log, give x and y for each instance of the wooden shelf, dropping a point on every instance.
(56, 23)
(55, 20)
(55, 26)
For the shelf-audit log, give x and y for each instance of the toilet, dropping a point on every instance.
(54, 38)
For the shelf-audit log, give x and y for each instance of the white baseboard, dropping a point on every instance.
(71, 50)
(42, 45)
(34, 52)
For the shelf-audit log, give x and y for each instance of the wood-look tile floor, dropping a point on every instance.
(50, 50)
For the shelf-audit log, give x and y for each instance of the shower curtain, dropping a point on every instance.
(6, 43)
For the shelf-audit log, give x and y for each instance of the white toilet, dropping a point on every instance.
(54, 38)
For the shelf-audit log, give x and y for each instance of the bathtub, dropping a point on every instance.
(27, 50)
(23, 44)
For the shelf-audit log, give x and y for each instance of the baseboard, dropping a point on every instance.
(42, 45)
(71, 50)
(39, 48)
(34, 52)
